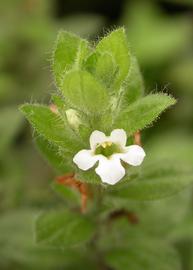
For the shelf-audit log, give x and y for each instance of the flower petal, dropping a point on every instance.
(85, 160)
(134, 155)
(97, 137)
(118, 136)
(110, 170)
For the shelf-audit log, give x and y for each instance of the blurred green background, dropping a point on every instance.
(160, 34)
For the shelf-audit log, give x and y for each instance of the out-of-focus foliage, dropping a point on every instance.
(163, 44)
(27, 30)
(155, 37)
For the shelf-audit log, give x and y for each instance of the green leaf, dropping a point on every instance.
(89, 176)
(51, 127)
(143, 112)
(70, 51)
(135, 86)
(116, 45)
(67, 193)
(90, 62)
(84, 93)
(155, 182)
(145, 254)
(105, 69)
(63, 228)
(53, 155)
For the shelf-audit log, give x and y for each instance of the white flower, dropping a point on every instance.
(109, 151)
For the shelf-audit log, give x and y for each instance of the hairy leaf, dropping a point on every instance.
(134, 88)
(143, 112)
(63, 228)
(51, 126)
(83, 92)
(116, 44)
(53, 155)
(70, 51)
(106, 69)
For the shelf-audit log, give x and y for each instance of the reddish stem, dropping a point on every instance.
(137, 138)
(70, 181)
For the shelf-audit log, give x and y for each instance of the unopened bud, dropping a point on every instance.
(73, 118)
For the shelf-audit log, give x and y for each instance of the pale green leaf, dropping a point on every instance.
(116, 45)
(70, 50)
(106, 69)
(51, 127)
(134, 88)
(83, 92)
(53, 155)
(143, 112)
(90, 62)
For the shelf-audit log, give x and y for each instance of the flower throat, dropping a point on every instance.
(107, 149)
